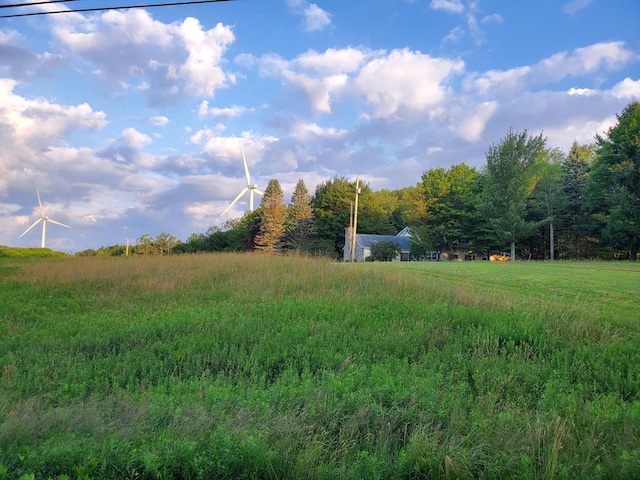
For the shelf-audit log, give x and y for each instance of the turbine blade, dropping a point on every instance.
(57, 223)
(40, 203)
(258, 191)
(242, 192)
(246, 168)
(32, 225)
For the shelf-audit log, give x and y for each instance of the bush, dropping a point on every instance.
(384, 251)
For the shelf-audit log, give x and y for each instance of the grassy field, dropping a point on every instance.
(248, 366)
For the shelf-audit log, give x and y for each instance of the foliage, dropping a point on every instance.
(300, 226)
(574, 217)
(331, 207)
(451, 197)
(272, 214)
(614, 186)
(163, 244)
(384, 251)
(202, 366)
(546, 203)
(511, 174)
(28, 252)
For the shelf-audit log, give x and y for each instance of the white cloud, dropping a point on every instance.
(598, 57)
(201, 70)
(455, 35)
(132, 138)
(453, 6)
(405, 79)
(304, 131)
(37, 124)
(315, 18)
(227, 113)
(332, 61)
(574, 6)
(493, 18)
(628, 89)
(167, 60)
(159, 121)
(473, 125)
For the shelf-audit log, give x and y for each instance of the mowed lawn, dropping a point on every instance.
(250, 366)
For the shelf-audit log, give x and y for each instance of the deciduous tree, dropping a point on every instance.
(511, 174)
(450, 197)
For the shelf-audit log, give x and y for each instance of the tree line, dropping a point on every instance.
(529, 199)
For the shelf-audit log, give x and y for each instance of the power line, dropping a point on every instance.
(98, 9)
(44, 2)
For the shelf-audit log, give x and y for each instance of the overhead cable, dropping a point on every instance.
(118, 7)
(44, 2)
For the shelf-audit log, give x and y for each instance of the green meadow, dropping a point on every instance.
(234, 366)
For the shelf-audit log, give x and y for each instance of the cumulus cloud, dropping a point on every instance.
(473, 125)
(22, 64)
(627, 89)
(388, 81)
(38, 123)
(167, 60)
(405, 79)
(606, 56)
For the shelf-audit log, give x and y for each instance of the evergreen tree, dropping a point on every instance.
(272, 214)
(614, 186)
(300, 227)
(574, 219)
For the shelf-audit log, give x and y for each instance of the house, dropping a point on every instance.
(364, 241)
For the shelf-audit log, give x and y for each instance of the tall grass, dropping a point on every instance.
(249, 366)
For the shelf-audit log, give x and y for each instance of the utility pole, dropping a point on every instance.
(350, 229)
(355, 222)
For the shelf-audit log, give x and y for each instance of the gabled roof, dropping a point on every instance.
(365, 240)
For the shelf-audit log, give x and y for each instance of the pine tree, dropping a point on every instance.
(575, 170)
(272, 214)
(300, 227)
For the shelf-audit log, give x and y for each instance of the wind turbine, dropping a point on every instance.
(251, 188)
(44, 219)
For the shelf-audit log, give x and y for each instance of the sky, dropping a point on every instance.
(132, 122)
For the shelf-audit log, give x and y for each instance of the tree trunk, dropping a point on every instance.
(551, 250)
(513, 251)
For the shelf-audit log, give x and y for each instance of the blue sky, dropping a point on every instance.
(131, 122)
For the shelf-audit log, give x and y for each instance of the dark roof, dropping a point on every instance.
(365, 240)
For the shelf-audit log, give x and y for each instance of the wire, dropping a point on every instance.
(120, 7)
(44, 2)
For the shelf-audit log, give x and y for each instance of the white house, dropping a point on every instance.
(364, 241)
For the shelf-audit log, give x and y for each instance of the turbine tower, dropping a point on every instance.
(251, 188)
(44, 219)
